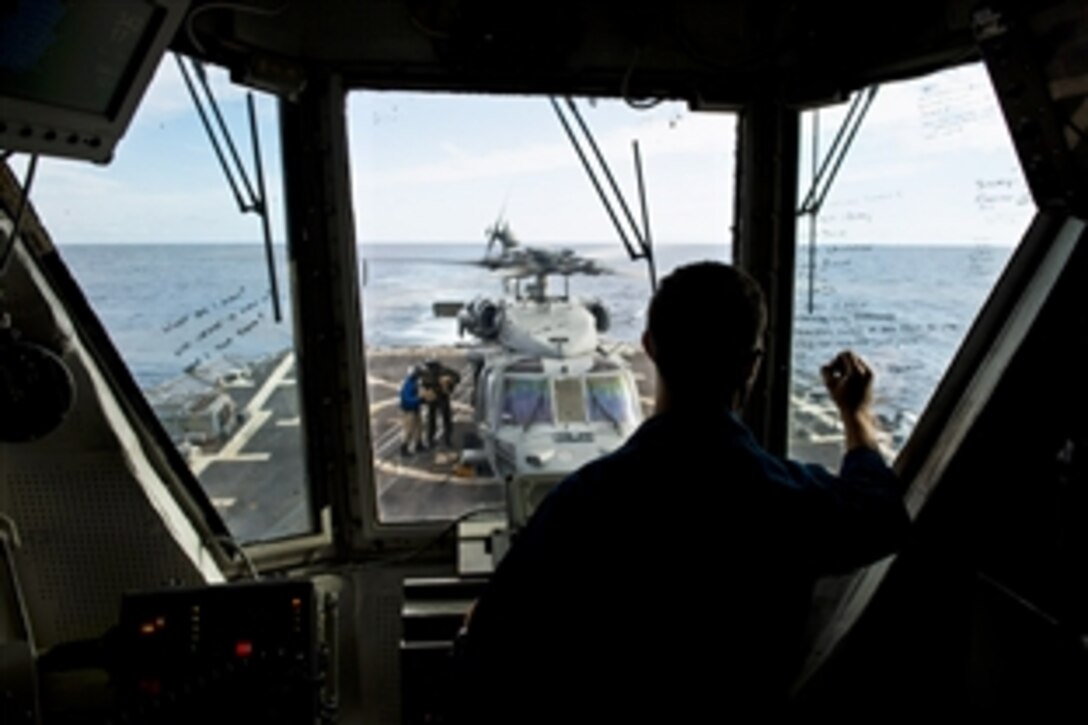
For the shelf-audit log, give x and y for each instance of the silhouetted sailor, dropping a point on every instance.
(670, 580)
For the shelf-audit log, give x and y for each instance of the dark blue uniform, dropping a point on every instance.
(671, 579)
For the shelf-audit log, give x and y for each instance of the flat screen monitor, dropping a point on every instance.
(73, 71)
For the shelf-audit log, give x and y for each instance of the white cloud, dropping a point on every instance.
(427, 176)
(463, 166)
(952, 110)
(84, 203)
(168, 98)
(455, 193)
(661, 136)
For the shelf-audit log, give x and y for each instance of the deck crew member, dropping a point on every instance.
(411, 420)
(670, 580)
(438, 382)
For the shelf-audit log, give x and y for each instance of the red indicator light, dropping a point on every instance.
(151, 687)
(296, 603)
(242, 648)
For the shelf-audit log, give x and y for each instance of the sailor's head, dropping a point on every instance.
(705, 331)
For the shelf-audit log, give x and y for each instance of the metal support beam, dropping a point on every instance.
(328, 318)
(1049, 143)
(764, 244)
(599, 167)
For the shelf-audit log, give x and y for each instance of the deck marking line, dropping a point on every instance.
(247, 457)
(381, 382)
(400, 470)
(382, 404)
(257, 401)
(255, 417)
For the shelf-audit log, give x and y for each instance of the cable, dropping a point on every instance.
(446, 531)
(261, 205)
(603, 164)
(648, 241)
(210, 133)
(840, 146)
(412, 554)
(639, 104)
(232, 544)
(9, 529)
(5, 256)
(813, 213)
(202, 76)
(250, 201)
(239, 7)
(423, 27)
(593, 178)
(1077, 130)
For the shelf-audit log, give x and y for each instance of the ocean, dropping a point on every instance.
(170, 307)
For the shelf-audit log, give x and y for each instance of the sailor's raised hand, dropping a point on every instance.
(849, 380)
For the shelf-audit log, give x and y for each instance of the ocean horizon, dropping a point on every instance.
(170, 307)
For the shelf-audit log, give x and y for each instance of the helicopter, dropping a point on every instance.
(548, 396)
(511, 255)
(982, 612)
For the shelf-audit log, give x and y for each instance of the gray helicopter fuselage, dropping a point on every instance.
(549, 397)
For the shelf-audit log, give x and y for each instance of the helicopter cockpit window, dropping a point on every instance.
(484, 246)
(608, 400)
(526, 401)
(570, 402)
(179, 279)
(918, 224)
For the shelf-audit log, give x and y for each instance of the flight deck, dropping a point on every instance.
(256, 478)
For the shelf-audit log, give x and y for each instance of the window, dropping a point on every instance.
(179, 279)
(526, 401)
(918, 225)
(456, 199)
(608, 400)
(570, 400)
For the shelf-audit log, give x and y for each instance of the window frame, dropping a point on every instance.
(997, 334)
(165, 460)
(330, 337)
(549, 386)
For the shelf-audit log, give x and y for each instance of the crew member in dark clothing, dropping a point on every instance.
(438, 383)
(670, 580)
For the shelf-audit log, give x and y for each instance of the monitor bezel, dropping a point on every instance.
(48, 129)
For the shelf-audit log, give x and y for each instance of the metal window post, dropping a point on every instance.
(764, 244)
(328, 320)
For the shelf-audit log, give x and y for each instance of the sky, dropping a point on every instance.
(932, 164)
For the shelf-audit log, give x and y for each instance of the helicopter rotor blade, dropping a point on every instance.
(432, 260)
(494, 232)
(447, 308)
